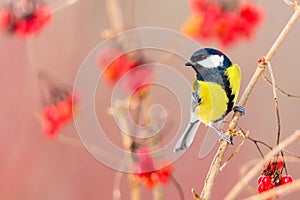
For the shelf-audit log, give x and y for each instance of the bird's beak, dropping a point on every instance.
(189, 63)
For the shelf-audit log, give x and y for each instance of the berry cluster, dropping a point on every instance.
(224, 22)
(117, 63)
(272, 176)
(56, 115)
(146, 171)
(25, 18)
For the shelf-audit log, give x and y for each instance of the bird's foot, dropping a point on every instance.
(240, 109)
(226, 138)
(222, 136)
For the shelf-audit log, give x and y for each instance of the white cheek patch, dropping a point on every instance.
(212, 61)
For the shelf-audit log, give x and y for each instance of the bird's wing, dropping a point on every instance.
(188, 135)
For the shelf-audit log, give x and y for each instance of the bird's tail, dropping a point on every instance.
(188, 135)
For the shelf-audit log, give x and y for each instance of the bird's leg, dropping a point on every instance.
(196, 99)
(240, 109)
(222, 136)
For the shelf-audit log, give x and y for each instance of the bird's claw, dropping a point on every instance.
(226, 138)
(240, 109)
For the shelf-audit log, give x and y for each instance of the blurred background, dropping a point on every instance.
(34, 167)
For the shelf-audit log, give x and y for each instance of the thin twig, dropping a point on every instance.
(195, 195)
(64, 5)
(260, 142)
(256, 142)
(117, 186)
(281, 90)
(252, 172)
(178, 187)
(114, 12)
(275, 97)
(282, 189)
(235, 152)
(216, 163)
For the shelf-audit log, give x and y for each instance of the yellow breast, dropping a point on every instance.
(213, 104)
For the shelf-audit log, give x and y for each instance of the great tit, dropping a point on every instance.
(215, 92)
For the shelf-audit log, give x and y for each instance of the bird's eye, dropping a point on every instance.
(203, 56)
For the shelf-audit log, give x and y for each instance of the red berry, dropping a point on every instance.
(261, 188)
(266, 181)
(286, 179)
(279, 164)
(260, 178)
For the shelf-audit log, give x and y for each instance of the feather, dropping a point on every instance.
(188, 135)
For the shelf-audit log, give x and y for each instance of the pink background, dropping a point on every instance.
(33, 167)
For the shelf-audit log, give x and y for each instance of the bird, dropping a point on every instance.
(215, 92)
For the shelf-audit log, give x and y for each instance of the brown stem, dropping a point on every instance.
(216, 163)
(235, 152)
(114, 12)
(195, 195)
(252, 172)
(275, 97)
(116, 186)
(281, 90)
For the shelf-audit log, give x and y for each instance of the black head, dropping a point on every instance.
(209, 58)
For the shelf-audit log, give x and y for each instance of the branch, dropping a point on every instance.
(216, 163)
(115, 14)
(252, 172)
(116, 186)
(275, 97)
(235, 151)
(195, 195)
(281, 90)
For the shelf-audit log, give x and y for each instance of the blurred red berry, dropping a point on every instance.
(226, 29)
(25, 24)
(211, 16)
(286, 179)
(215, 21)
(146, 170)
(145, 160)
(43, 15)
(198, 5)
(138, 79)
(5, 19)
(115, 64)
(252, 13)
(164, 174)
(56, 115)
(51, 113)
(192, 26)
(50, 129)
